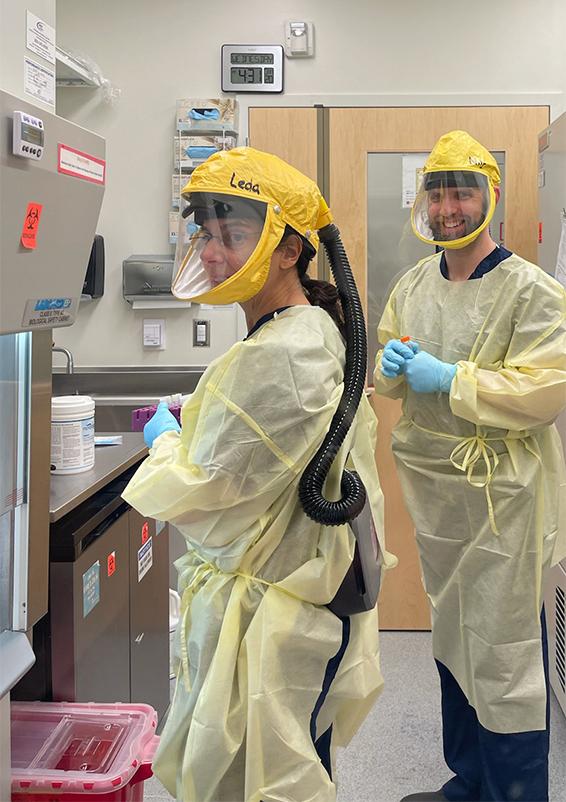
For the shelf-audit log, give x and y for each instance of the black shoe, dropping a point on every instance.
(426, 796)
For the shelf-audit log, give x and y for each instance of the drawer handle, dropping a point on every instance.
(140, 637)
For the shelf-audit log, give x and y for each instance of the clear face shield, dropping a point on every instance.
(453, 207)
(216, 245)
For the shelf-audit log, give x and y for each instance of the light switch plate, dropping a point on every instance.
(201, 333)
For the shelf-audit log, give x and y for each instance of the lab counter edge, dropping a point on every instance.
(68, 491)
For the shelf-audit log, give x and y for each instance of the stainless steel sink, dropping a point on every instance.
(119, 390)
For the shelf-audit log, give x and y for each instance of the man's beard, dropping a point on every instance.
(469, 227)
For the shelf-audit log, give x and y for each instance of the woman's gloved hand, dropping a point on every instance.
(427, 374)
(395, 355)
(162, 421)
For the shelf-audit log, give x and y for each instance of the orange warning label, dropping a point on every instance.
(31, 224)
(145, 532)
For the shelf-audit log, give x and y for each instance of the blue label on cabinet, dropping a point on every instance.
(91, 588)
(52, 303)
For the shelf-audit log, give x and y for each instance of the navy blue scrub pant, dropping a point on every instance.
(322, 744)
(487, 765)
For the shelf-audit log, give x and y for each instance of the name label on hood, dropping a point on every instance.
(249, 186)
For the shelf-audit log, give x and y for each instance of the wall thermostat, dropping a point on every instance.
(252, 68)
(28, 135)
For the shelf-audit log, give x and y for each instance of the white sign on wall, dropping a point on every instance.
(39, 82)
(412, 171)
(40, 37)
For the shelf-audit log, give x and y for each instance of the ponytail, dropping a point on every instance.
(319, 293)
(325, 295)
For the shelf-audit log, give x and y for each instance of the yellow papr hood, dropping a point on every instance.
(260, 176)
(457, 150)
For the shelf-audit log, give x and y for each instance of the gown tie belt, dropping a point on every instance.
(467, 455)
(201, 574)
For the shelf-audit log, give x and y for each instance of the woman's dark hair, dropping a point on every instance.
(319, 293)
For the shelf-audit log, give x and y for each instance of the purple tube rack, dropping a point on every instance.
(141, 416)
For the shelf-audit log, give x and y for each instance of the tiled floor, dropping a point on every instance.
(398, 750)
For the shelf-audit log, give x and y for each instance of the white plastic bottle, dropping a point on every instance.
(72, 434)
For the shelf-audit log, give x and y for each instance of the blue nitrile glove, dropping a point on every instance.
(427, 374)
(394, 356)
(204, 114)
(162, 421)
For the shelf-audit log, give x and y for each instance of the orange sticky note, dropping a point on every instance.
(31, 225)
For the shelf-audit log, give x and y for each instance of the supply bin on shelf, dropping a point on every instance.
(71, 752)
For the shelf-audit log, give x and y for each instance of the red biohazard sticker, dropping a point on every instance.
(31, 224)
(145, 532)
(111, 563)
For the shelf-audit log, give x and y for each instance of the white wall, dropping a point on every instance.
(367, 52)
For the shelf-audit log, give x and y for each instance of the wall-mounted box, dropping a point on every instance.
(146, 282)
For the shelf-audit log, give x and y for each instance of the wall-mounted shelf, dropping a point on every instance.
(71, 72)
(203, 127)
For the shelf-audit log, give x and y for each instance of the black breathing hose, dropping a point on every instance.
(315, 505)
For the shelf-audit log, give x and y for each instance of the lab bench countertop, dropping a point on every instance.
(68, 491)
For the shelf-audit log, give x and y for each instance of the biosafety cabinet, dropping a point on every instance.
(52, 175)
(552, 258)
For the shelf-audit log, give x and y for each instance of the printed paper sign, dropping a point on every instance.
(81, 165)
(39, 82)
(91, 588)
(412, 170)
(31, 225)
(40, 37)
(145, 559)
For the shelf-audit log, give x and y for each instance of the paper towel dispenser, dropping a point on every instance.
(146, 281)
(93, 286)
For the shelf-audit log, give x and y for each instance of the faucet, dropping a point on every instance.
(68, 354)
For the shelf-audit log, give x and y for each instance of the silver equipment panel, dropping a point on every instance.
(48, 214)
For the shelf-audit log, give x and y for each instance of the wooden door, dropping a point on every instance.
(290, 133)
(351, 135)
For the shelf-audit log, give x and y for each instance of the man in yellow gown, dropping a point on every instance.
(482, 378)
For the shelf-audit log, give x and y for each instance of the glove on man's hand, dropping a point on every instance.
(395, 355)
(427, 374)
